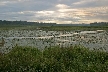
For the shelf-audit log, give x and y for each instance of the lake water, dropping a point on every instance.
(42, 39)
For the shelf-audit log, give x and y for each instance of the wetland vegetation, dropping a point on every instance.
(55, 59)
(54, 49)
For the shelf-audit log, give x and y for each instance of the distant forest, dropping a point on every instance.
(23, 23)
(99, 24)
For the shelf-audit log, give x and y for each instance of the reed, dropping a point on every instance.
(2, 42)
(55, 59)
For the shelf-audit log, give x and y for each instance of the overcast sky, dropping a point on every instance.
(59, 11)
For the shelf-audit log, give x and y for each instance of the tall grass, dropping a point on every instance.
(55, 59)
(70, 28)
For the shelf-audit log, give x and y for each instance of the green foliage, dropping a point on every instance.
(55, 59)
(70, 28)
(54, 28)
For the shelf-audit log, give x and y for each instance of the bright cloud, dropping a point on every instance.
(45, 12)
(62, 6)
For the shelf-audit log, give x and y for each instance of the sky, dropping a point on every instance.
(55, 11)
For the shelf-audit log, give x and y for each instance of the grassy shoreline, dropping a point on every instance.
(70, 28)
(55, 28)
(55, 59)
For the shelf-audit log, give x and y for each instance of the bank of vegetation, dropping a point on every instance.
(70, 28)
(55, 59)
(53, 28)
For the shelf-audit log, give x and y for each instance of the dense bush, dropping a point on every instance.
(72, 59)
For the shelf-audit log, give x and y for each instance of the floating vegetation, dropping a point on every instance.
(41, 39)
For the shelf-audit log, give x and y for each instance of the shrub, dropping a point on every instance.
(55, 59)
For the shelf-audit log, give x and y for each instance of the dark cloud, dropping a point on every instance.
(90, 3)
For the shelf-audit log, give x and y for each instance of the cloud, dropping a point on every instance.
(90, 3)
(60, 11)
(62, 6)
(84, 2)
(45, 12)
